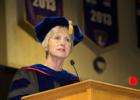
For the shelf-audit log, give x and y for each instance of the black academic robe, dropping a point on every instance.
(37, 78)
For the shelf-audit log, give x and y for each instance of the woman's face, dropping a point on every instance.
(60, 43)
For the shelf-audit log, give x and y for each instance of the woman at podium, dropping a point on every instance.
(57, 36)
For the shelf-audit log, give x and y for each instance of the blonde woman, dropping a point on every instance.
(58, 36)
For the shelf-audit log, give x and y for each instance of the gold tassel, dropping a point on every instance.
(70, 27)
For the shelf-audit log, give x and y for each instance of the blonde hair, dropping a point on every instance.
(50, 34)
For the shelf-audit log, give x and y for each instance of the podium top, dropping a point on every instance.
(83, 85)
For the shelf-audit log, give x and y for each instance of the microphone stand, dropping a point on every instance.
(73, 64)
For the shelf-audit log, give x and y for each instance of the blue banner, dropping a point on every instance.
(38, 9)
(101, 21)
(138, 20)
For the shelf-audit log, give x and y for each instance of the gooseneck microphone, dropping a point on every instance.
(73, 65)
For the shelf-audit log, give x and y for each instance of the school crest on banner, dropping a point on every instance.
(101, 26)
(30, 12)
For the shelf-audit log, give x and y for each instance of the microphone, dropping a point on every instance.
(73, 65)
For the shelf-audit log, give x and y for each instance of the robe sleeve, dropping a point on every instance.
(24, 83)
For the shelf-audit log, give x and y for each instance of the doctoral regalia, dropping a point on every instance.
(37, 78)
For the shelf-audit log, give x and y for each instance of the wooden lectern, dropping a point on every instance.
(87, 90)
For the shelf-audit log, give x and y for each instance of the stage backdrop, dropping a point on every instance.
(31, 12)
(101, 25)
